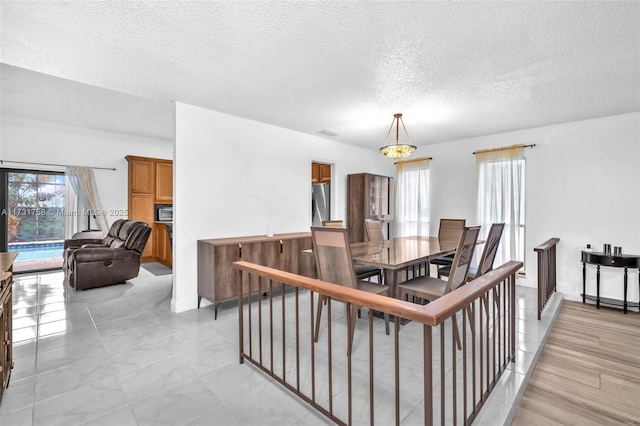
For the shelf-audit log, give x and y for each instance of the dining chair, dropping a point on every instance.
(362, 271)
(373, 229)
(431, 288)
(486, 259)
(335, 265)
(450, 229)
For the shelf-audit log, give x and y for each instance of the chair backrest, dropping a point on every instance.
(374, 231)
(333, 255)
(113, 234)
(462, 259)
(136, 235)
(450, 229)
(130, 234)
(333, 223)
(490, 249)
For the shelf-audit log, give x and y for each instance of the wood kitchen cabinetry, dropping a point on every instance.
(164, 182)
(369, 196)
(6, 319)
(320, 173)
(141, 175)
(163, 246)
(141, 208)
(217, 278)
(150, 182)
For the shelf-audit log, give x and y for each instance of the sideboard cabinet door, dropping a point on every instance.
(224, 282)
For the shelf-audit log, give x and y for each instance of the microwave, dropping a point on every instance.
(164, 212)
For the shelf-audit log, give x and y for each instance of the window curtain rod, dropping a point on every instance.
(54, 165)
(414, 159)
(502, 148)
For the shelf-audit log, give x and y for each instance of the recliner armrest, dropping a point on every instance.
(99, 254)
(79, 243)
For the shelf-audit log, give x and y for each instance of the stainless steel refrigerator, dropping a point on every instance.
(320, 203)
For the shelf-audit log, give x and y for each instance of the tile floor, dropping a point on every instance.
(118, 356)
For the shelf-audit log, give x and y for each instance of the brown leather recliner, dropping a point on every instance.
(90, 263)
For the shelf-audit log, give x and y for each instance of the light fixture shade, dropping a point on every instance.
(399, 150)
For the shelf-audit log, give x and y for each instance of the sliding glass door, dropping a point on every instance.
(33, 213)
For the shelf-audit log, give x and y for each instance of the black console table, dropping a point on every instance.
(625, 261)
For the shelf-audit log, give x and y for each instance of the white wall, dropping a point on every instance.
(232, 177)
(42, 142)
(582, 186)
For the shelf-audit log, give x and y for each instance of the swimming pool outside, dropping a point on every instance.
(37, 250)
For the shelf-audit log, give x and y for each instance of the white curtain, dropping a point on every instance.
(73, 215)
(412, 198)
(500, 178)
(83, 182)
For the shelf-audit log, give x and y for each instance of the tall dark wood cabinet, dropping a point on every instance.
(369, 196)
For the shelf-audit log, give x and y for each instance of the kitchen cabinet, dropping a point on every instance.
(163, 245)
(217, 278)
(164, 182)
(141, 208)
(150, 181)
(141, 176)
(320, 173)
(369, 196)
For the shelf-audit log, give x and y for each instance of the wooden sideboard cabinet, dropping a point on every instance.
(6, 319)
(217, 278)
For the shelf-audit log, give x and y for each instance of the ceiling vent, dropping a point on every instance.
(327, 132)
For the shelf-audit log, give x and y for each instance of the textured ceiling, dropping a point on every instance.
(455, 69)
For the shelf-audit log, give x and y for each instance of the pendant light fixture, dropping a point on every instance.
(399, 150)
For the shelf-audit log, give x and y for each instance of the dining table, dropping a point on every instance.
(397, 255)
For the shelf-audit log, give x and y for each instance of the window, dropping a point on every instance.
(32, 217)
(35, 206)
(501, 198)
(412, 198)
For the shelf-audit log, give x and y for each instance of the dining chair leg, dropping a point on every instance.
(386, 322)
(316, 333)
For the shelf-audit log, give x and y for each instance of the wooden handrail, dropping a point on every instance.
(431, 314)
(546, 272)
(447, 305)
(547, 244)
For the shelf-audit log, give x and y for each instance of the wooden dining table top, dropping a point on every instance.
(401, 252)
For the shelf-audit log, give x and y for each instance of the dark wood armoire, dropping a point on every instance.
(369, 196)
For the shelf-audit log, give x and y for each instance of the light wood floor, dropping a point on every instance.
(589, 371)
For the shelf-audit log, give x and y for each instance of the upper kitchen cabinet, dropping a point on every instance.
(320, 173)
(141, 174)
(164, 181)
(369, 196)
